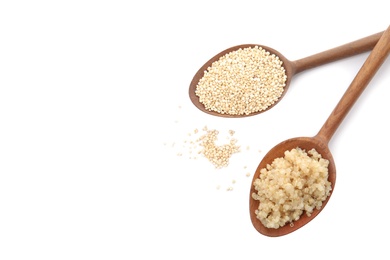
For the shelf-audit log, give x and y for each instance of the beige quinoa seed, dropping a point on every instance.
(291, 185)
(218, 155)
(242, 82)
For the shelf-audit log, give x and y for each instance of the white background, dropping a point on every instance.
(93, 95)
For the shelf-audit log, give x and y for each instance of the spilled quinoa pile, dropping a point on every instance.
(291, 185)
(218, 155)
(206, 144)
(216, 146)
(242, 82)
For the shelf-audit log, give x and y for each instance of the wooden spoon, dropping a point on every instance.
(321, 140)
(291, 67)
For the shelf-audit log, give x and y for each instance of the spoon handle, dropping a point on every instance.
(338, 53)
(359, 83)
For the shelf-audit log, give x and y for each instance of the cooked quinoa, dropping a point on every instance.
(242, 82)
(291, 185)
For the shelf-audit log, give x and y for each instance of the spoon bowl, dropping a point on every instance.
(291, 67)
(306, 143)
(321, 140)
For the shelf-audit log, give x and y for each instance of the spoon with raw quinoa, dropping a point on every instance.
(295, 179)
(248, 79)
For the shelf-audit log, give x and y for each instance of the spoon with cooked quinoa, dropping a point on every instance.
(295, 179)
(249, 79)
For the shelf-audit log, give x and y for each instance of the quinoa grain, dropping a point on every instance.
(242, 82)
(291, 185)
(219, 155)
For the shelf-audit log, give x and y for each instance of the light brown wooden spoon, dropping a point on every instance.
(292, 67)
(321, 140)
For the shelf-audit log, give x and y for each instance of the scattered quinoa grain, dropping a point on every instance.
(202, 143)
(219, 155)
